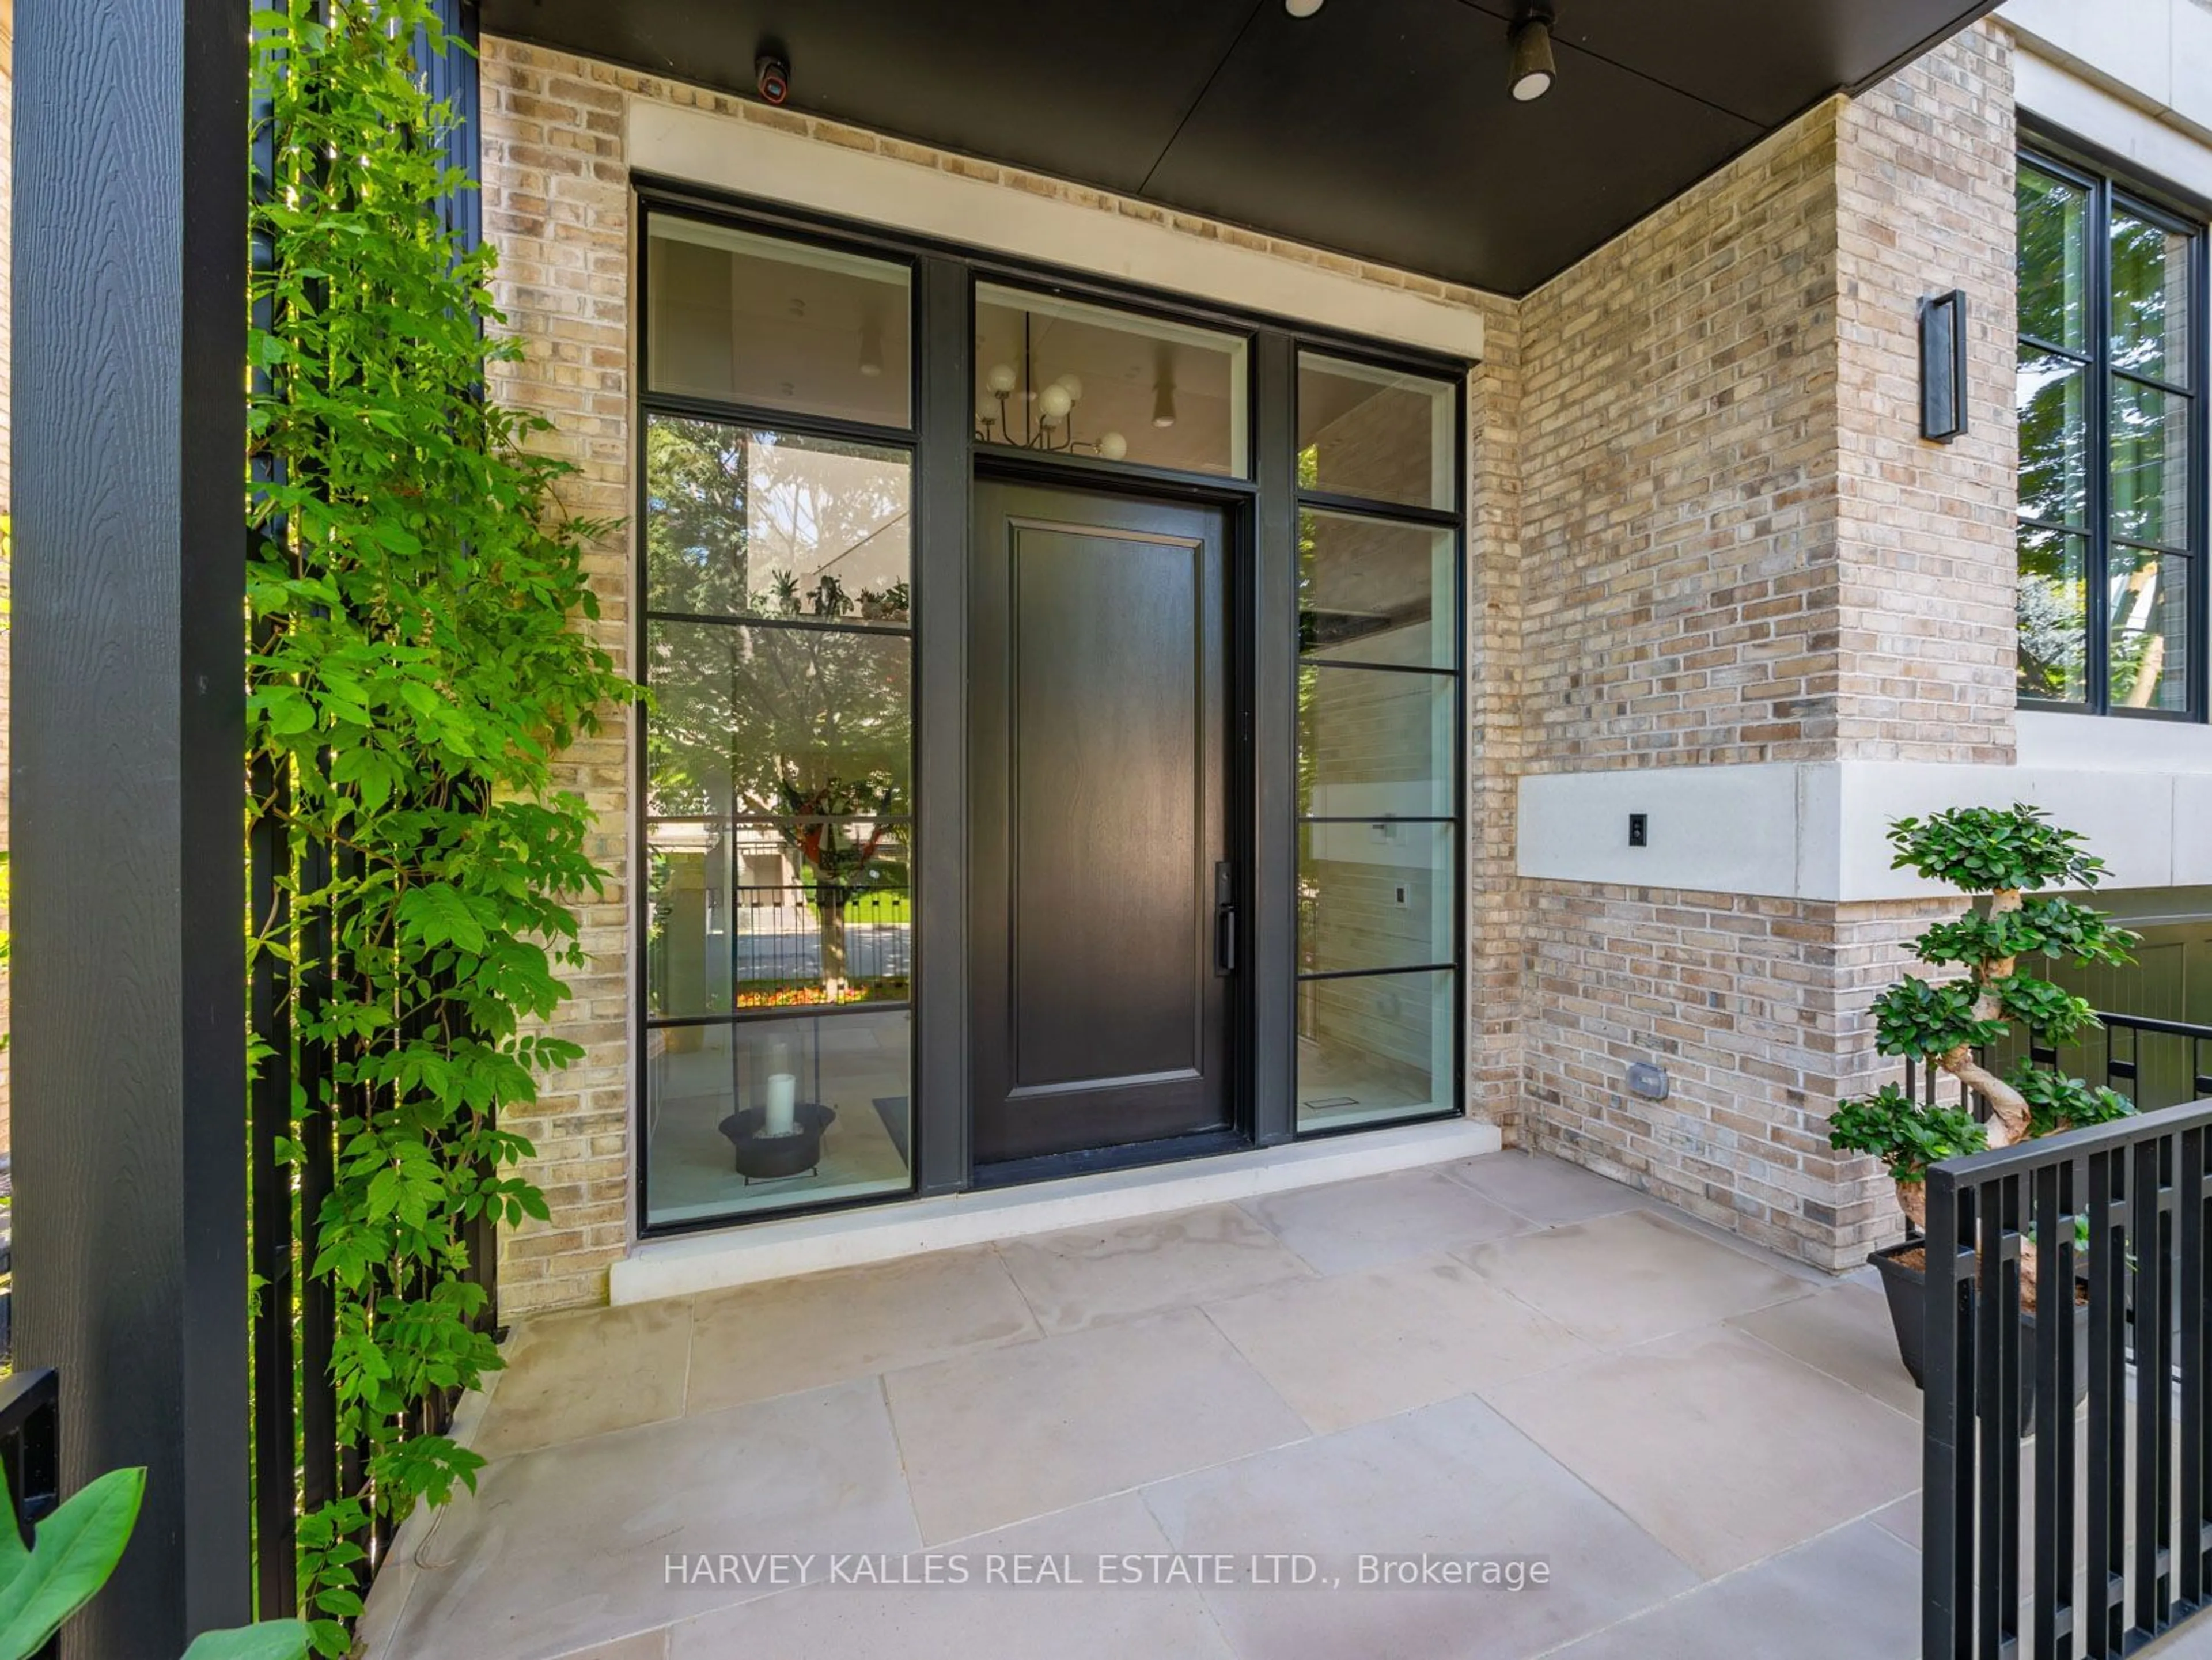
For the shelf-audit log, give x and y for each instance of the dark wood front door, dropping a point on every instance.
(1104, 932)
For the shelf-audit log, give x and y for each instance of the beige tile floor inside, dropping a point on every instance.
(1642, 1439)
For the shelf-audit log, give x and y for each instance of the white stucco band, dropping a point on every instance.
(709, 148)
(1815, 829)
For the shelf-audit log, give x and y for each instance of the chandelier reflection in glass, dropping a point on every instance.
(1053, 427)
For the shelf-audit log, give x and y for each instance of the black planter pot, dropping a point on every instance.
(1906, 1288)
(772, 1158)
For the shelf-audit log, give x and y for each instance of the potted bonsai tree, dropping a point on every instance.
(2006, 858)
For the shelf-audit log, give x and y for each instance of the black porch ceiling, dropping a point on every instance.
(1378, 128)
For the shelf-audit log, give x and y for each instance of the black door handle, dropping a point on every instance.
(1224, 939)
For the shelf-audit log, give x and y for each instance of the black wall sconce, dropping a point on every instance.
(1943, 365)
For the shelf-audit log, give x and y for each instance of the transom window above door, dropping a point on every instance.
(1059, 376)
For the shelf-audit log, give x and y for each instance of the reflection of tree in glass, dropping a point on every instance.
(2148, 338)
(2150, 299)
(2053, 440)
(2150, 287)
(806, 726)
(1308, 889)
(2052, 647)
(2138, 650)
(746, 522)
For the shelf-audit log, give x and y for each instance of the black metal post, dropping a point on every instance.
(129, 977)
(1948, 1444)
(944, 416)
(1273, 745)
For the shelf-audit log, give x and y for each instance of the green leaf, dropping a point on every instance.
(440, 913)
(1906, 1135)
(74, 1550)
(1986, 849)
(272, 1639)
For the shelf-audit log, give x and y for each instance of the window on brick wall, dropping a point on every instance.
(778, 916)
(1379, 725)
(2112, 450)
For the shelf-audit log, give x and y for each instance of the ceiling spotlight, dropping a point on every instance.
(1302, 8)
(1163, 409)
(1534, 71)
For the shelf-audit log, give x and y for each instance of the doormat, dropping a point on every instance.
(891, 1108)
(1332, 1102)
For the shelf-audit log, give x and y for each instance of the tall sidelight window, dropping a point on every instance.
(778, 921)
(1378, 719)
(2113, 447)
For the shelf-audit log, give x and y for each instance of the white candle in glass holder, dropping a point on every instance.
(782, 1096)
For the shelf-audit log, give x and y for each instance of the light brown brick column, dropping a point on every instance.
(1737, 549)
(556, 203)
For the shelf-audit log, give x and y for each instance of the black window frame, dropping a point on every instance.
(942, 400)
(1452, 521)
(2110, 190)
(647, 404)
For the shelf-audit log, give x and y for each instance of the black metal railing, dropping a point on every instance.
(2154, 1063)
(2109, 1224)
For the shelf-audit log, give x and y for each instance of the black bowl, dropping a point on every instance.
(767, 1158)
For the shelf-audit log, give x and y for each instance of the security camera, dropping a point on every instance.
(772, 75)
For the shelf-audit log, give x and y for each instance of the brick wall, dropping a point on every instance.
(1759, 1011)
(1679, 498)
(1737, 547)
(1495, 750)
(1926, 565)
(556, 203)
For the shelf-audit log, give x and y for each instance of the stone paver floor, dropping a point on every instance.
(1635, 1436)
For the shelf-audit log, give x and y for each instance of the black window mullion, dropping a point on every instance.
(1367, 506)
(803, 624)
(1308, 976)
(1307, 661)
(780, 1012)
(2049, 349)
(2197, 630)
(2097, 656)
(2151, 383)
(687, 406)
(1377, 819)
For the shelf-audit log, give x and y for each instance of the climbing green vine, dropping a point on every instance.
(415, 668)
